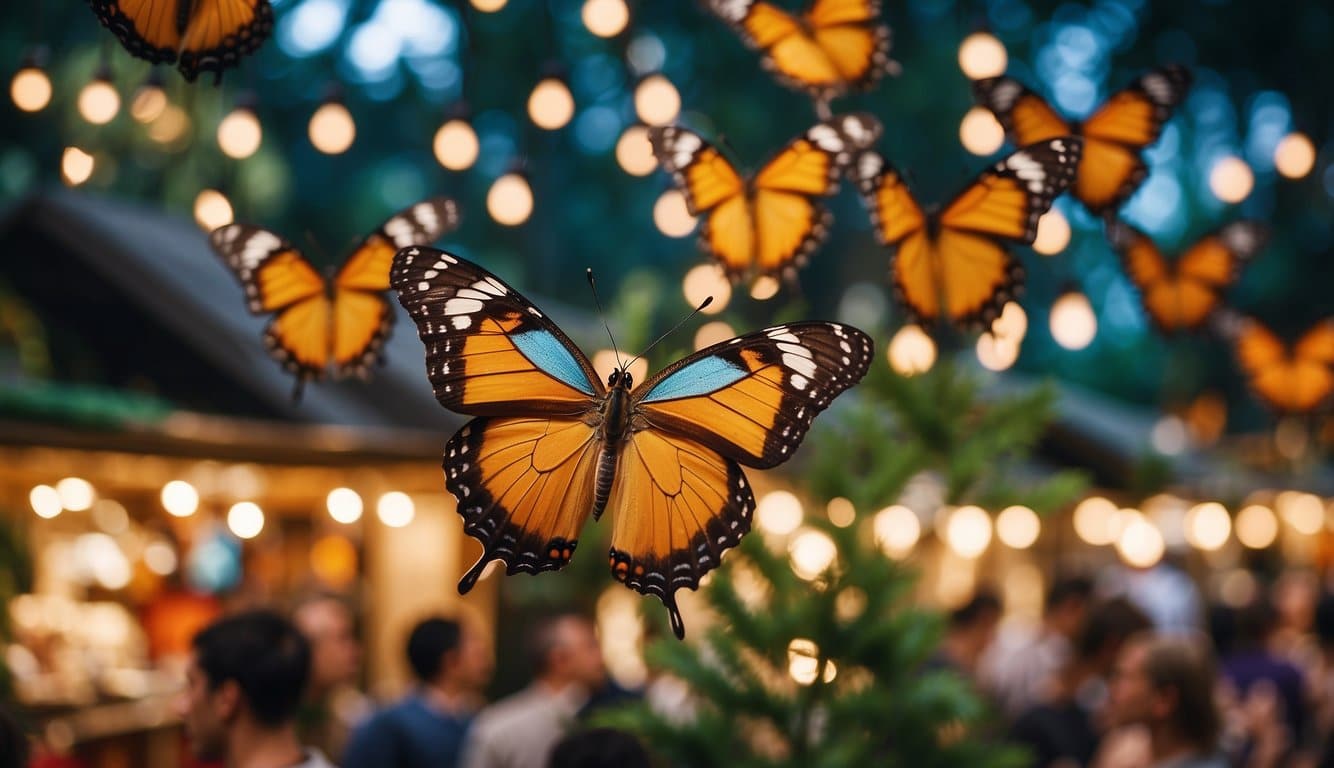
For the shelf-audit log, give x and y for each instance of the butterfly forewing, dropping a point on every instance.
(199, 35)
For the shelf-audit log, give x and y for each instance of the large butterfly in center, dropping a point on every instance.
(1290, 378)
(317, 323)
(1115, 134)
(551, 445)
(767, 224)
(197, 35)
(952, 265)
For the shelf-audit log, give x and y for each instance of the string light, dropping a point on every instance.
(713, 333)
(171, 126)
(489, 6)
(811, 552)
(996, 353)
(245, 519)
(212, 210)
(1012, 324)
(1097, 521)
(76, 494)
(551, 105)
(657, 101)
(841, 511)
(45, 501)
(672, 215)
(456, 145)
(982, 55)
(1073, 324)
(1305, 512)
(911, 351)
(704, 281)
(968, 531)
(395, 509)
(634, 153)
(344, 505)
(160, 558)
(98, 100)
(76, 166)
(1231, 179)
(510, 199)
(150, 100)
(31, 87)
(980, 132)
(1294, 157)
(239, 132)
(779, 513)
(605, 18)
(896, 530)
(764, 288)
(332, 129)
(1208, 526)
(179, 498)
(1140, 543)
(803, 663)
(1018, 527)
(1053, 233)
(1256, 526)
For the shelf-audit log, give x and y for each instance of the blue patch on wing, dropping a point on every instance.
(699, 378)
(548, 353)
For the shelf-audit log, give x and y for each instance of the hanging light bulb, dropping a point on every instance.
(456, 145)
(150, 100)
(1294, 157)
(764, 288)
(551, 105)
(239, 133)
(980, 132)
(605, 18)
(672, 215)
(212, 210)
(1073, 324)
(332, 129)
(911, 351)
(704, 281)
(981, 55)
(1053, 233)
(76, 166)
(1231, 179)
(99, 101)
(489, 6)
(657, 102)
(510, 199)
(997, 353)
(634, 153)
(31, 87)
(1012, 323)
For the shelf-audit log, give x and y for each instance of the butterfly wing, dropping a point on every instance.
(714, 190)
(899, 223)
(849, 33)
(148, 30)
(205, 35)
(1295, 381)
(788, 50)
(1026, 116)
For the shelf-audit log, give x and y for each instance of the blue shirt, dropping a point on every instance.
(409, 734)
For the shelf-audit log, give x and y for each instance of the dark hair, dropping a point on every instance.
(598, 748)
(984, 602)
(1253, 623)
(1324, 620)
(1069, 588)
(428, 643)
(266, 656)
(1107, 627)
(13, 741)
(1186, 667)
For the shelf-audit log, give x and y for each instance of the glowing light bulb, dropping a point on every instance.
(968, 531)
(779, 513)
(1140, 543)
(332, 129)
(1305, 512)
(245, 519)
(1294, 157)
(395, 509)
(76, 494)
(179, 498)
(551, 105)
(456, 146)
(489, 6)
(31, 88)
(896, 530)
(672, 215)
(996, 353)
(149, 102)
(803, 663)
(811, 552)
(1231, 179)
(911, 351)
(981, 55)
(171, 126)
(704, 281)
(1208, 526)
(344, 505)
(1097, 521)
(634, 153)
(764, 288)
(1018, 527)
(45, 501)
(76, 166)
(1073, 324)
(713, 333)
(980, 132)
(1256, 526)
(605, 18)
(212, 210)
(657, 101)
(1012, 324)
(239, 133)
(841, 512)
(1053, 233)
(98, 100)
(510, 200)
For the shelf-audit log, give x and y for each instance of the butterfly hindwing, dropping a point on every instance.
(1296, 378)
(198, 35)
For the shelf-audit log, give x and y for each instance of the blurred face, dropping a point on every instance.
(205, 712)
(578, 657)
(335, 652)
(473, 662)
(1131, 697)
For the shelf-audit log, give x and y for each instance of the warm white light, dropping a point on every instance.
(160, 558)
(1305, 512)
(713, 333)
(1231, 179)
(1140, 543)
(1073, 324)
(980, 132)
(344, 505)
(1053, 233)
(803, 663)
(148, 104)
(897, 530)
(996, 353)
(1012, 324)
(657, 101)
(76, 166)
(607, 360)
(1294, 156)
(911, 351)
(812, 552)
(704, 281)
(1169, 436)
(212, 210)
(30, 89)
(1256, 526)
(239, 133)
(1018, 527)
(1208, 526)
(605, 18)
(395, 509)
(981, 55)
(764, 288)
(672, 215)
(332, 129)
(101, 560)
(111, 516)
(245, 519)
(510, 200)
(98, 101)
(841, 512)
(76, 494)
(778, 513)
(1097, 521)
(170, 126)
(489, 6)
(551, 105)
(45, 501)
(968, 531)
(179, 498)
(634, 153)
(456, 146)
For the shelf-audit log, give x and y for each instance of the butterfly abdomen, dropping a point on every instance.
(611, 432)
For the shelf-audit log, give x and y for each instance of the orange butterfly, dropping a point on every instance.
(198, 35)
(1294, 378)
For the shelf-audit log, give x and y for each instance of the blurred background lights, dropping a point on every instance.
(489, 6)
(996, 353)
(657, 101)
(634, 153)
(607, 360)
(551, 105)
(149, 101)
(102, 561)
(1294, 157)
(704, 281)
(911, 351)
(1097, 521)
(111, 516)
(1169, 436)
(31, 88)
(1012, 324)
(239, 133)
(510, 200)
(245, 519)
(897, 530)
(778, 513)
(764, 288)
(1208, 526)
(76, 166)
(171, 126)
(76, 494)
(672, 216)
(980, 132)
(605, 18)
(1053, 233)
(1231, 179)
(1256, 526)
(344, 505)
(981, 55)
(1018, 527)
(455, 145)
(1140, 543)
(160, 558)
(1305, 512)
(1073, 324)
(212, 210)
(395, 509)
(98, 100)
(45, 501)
(803, 662)
(841, 512)
(179, 498)
(332, 129)
(812, 552)
(968, 531)
(712, 333)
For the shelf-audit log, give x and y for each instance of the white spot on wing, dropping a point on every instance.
(462, 306)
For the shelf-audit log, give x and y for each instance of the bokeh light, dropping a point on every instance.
(897, 530)
(551, 105)
(332, 129)
(1053, 233)
(712, 333)
(996, 353)
(1018, 527)
(605, 18)
(30, 89)
(607, 360)
(245, 519)
(634, 153)
(1294, 157)
(395, 509)
(672, 216)
(179, 498)
(1140, 543)
(489, 6)
(980, 132)
(704, 281)
(1231, 179)
(841, 511)
(812, 552)
(1256, 526)
(1208, 526)
(239, 133)
(1305, 512)
(45, 501)
(76, 166)
(764, 288)
(455, 145)
(982, 55)
(76, 494)
(1073, 324)
(344, 505)
(968, 531)
(510, 200)
(911, 351)
(657, 101)
(99, 102)
(149, 102)
(1012, 324)
(212, 210)
(779, 513)
(1097, 521)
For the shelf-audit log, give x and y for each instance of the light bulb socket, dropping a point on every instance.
(459, 110)
(154, 80)
(554, 69)
(102, 73)
(333, 94)
(35, 58)
(247, 101)
(518, 167)
(1068, 287)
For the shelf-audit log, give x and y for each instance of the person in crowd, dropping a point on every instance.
(333, 702)
(970, 629)
(599, 748)
(521, 730)
(426, 729)
(1161, 701)
(1063, 728)
(1254, 662)
(244, 684)
(1021, 667)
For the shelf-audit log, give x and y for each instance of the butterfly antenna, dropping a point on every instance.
(592, 286)
(707, 301)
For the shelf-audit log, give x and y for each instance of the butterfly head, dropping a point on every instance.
(620, 378)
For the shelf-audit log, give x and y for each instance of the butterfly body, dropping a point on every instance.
(551, 445)
(197, 35)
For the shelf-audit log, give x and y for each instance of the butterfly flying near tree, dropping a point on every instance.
(1115, 135)
(1290, 378)
(1181, 294)
(953, 265)
(318, 323)
(769, 223)
(551, 445)
(831, 47)
(196, 35)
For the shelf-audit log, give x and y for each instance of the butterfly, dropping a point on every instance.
(832, 46)
(769, 223)
(1182, 294)
(198, 35)
(318, 322)
(1114, 135)
(1294, 378)
(953, 265)
(550, 445)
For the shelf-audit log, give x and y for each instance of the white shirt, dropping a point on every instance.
(519, 731)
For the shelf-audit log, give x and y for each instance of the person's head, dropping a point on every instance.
(1167, 684)
(447, 653)
(247, 671)
(1253, 625)
(974, 623)
(598, 748)
(1106, 628)
(1067, 604)
(329, 626)
(565, 650)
